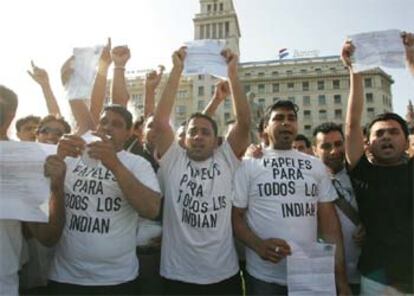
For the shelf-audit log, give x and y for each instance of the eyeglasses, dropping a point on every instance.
(50, 130)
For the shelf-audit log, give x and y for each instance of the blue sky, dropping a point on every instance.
(46, 31)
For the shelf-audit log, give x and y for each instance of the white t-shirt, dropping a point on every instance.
(281, 191)
(97, 246)
(11, 239)
(352, 251)
(197, 241)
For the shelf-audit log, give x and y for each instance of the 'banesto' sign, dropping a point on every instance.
(305, 53)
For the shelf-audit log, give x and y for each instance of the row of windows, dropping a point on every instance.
(214, 7)
(290, 72)
(215, 30)
(320, 85)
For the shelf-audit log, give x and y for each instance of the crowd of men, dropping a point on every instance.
(206, 191)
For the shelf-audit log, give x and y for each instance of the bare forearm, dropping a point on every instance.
(149, 102)
(98, 93)
(241, 106)
(82, 116)
(51, 102)
(243, 232)
(143, 199)
(119, 89)
(49, 233)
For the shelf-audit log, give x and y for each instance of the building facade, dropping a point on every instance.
(318, 85)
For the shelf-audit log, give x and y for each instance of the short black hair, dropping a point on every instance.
(281, 104)
(50, 117)
(202, 115)
(29, 118)
(301, 137)
(389, 116)
(121, 110)
(9, 98)
(328, 127)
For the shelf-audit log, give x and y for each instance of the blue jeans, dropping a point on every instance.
(255, 286)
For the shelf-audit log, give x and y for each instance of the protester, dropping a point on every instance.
(383, 187)
(11, 238)
(267, 190)
(51, 129)
(96, 253)
(329, 147)
(26, 128)
(198, 254)
(302, 144)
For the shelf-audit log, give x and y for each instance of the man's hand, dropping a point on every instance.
(153, 78)
(39, 75)
(105, 59)
(254, 151)
(104, 151)
(178, 58)
(232, 60)
(221, 90)
(273, 250)
(66, 70)
(346, 53)
(359, 235)
(408, 40)
(70, 145)
(55, 169)
(120, 56)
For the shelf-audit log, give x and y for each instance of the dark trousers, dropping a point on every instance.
(255, 286)
(128, 288)
(230, 286)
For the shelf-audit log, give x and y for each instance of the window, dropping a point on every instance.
(201, 31)
(322, 115)
(220, 26)
(369, 97)
(292, 99)
(227, 116)
(214, 29)
(201, 91)
(308, 129)
(180, 110)
(303, 71)
(208, 7)
(338, 114)
(227, 103)
(261, 88)
(215, 6)
(275, 87)
(208, 31)
(246, 88)
(337, 99)
(305, 85)
(260, 74)
(321, 85)
(212, 88)
(289, 72)
(275, 73)
(306, 100)
(307, 114)
(221, 6)
(336, 84)
(318, 69)
(290, 85)
(200, 105)
(227, 29)
(321, 100)
(200, 77)
(247, 74)
(262, 102)
(368, 82)
(371, 112)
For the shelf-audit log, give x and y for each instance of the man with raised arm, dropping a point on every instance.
(285, 196)
(96, 253)
(383, 184)
(198, 254)
(11, 238)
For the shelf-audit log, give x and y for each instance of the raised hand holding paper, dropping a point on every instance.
(204, 57)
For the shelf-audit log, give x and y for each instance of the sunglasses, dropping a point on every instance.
(50, 130)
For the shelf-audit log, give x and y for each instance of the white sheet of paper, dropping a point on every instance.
(375, 49)
(24, 190)
(90, 162)
(204, 57)
(81, 82)
(311, 270)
